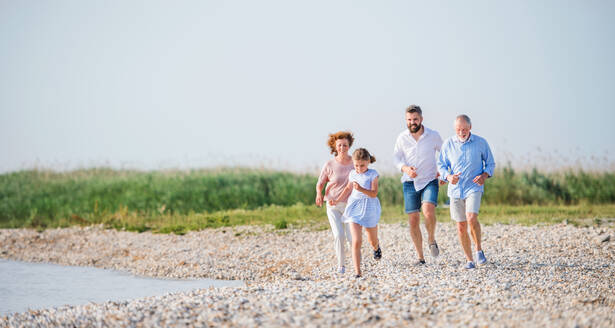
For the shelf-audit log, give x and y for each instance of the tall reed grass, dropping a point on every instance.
(36, 196)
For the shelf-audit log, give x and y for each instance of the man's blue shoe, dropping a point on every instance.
(480, 258)
(470, 265)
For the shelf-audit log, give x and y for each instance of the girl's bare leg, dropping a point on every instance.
(372, 237)
(356, 232)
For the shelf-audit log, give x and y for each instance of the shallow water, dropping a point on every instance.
(26, 285)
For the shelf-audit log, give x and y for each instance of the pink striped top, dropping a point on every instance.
(336, 175)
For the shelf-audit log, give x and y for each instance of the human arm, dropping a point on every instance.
(444, 167)
(480, 179)
(400, 162)
(398, 156)
(440, 181)
(489, 165)
(343, 195)
(489, 160)
(410, 171)
(453, 178)
(369, 192)
(319, 196)
(322, 180)
(438, 149)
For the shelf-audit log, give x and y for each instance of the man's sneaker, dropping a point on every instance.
(378, 253)
(341, 270)
(420, 262)
(470, 265)
(433, 248)
(480, 258)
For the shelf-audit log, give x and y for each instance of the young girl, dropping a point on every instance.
(335, 175)
(363, 207)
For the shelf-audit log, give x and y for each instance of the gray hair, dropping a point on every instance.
(464, 117)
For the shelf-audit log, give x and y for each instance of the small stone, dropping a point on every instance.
(604, 239)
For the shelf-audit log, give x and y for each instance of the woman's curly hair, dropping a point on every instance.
(337, 136)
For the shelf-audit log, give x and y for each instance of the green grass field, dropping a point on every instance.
(179, 201)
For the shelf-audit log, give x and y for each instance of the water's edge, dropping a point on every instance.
(29, 286)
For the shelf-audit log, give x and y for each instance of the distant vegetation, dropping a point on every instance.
(44, 198)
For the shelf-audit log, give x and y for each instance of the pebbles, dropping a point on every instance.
(541, 276)
(604, 238)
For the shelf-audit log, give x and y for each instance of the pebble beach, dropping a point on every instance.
(558, 275)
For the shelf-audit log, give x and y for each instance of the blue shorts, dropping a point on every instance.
(413, 199)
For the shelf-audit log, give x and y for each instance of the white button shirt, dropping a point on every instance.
(421, 154)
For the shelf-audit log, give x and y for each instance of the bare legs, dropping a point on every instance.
(462, 231)
(414, 219)
(357, 240)
(474, 229)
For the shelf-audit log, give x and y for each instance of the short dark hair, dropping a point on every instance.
(414, 109)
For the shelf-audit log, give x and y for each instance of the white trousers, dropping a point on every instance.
(341, 231)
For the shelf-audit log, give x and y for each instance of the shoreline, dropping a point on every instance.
(544, 275)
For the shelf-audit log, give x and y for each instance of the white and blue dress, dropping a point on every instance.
(360, 208)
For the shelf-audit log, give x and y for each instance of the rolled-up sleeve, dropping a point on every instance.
(443, 163)
(488, 160)
(398, 156)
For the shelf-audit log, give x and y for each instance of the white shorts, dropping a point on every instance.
(459, 207)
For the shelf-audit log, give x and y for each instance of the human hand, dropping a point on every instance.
(453, 178)
(356, 186)
(319, 200)
(441, 182)
(480, 179)
(410, 171)
(332, 202)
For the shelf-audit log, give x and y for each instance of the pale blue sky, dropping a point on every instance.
(165, 84)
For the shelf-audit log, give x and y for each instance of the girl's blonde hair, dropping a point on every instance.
(361, 154)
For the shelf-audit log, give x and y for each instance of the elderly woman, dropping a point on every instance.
(335, 175)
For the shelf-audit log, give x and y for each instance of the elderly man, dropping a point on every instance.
(415, 156)
(466, 162)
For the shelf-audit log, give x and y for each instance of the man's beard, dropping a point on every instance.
(414, 128)
(464, 139)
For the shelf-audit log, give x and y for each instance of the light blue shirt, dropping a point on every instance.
(470, 158)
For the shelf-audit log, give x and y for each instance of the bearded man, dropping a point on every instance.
(466, 162)
(415, 156)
